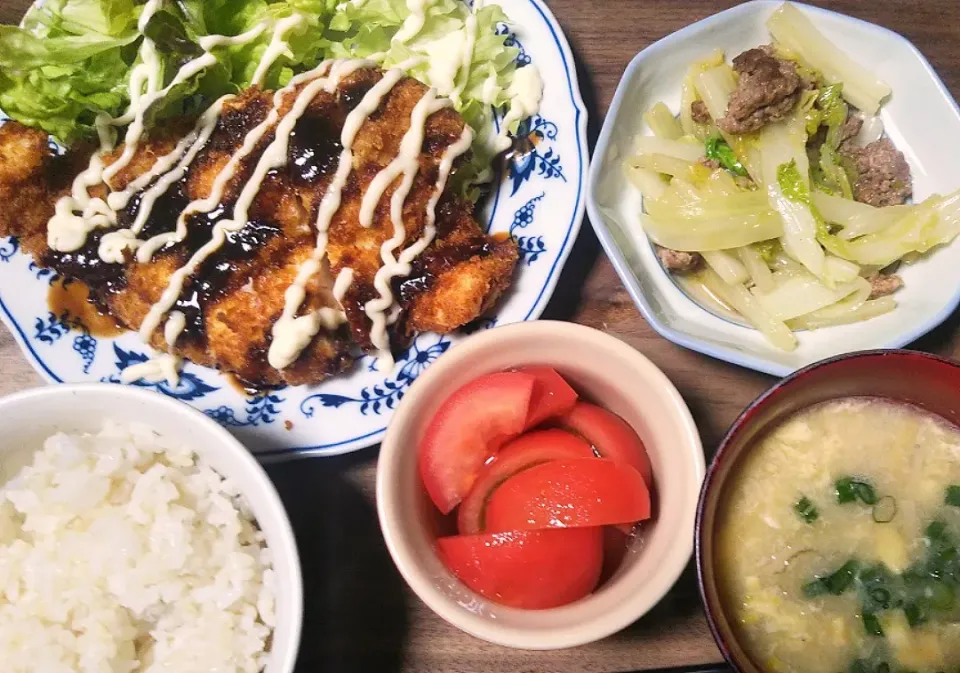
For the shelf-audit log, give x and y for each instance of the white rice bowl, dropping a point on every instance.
(120, 552)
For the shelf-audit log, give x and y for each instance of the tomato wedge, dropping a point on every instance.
(569, 494)
(525, 451)
(615, 543)
(468, 429)
(552, 395)
(534, 570)
(610, 435)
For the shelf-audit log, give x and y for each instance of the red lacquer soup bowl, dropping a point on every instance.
(926, 381)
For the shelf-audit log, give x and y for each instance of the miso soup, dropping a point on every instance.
(839, 542)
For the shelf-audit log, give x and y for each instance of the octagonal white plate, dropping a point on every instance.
(540, 202)
(921, 118)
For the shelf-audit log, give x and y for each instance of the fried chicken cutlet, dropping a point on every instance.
(232, 301)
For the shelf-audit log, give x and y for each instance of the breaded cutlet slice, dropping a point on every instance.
(235, 298)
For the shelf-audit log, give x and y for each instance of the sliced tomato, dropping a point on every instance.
(610, 435)
(518, 454)
(569, 494)
(535, 569)
(615, 544)
(468, 429)
(552, 395)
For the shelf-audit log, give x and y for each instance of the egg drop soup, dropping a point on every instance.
(839, 542)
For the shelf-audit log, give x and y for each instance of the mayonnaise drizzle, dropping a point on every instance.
(67, 231)
(274, 156)
(404, 266)
(113, 245)
(466, 56)
(162, 366)
(525, 92)
(342, 285)
(405, 164)
(291, 334)
(413, 24)
(278, 46)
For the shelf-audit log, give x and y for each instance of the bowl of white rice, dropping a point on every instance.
(138, 536)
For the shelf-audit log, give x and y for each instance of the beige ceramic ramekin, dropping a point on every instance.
(604, 370)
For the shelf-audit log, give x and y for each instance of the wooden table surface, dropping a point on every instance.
(360, 616)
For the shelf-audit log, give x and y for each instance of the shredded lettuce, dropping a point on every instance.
(72, 59)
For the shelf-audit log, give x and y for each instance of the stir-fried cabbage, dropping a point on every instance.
(791, 28)
(772, 212)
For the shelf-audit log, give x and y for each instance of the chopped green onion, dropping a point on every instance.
(885, 510)
(877, 587)
(871, 624)
(718, 150)
(953, 496)
(937, 531)
(865, 492)
(850, 489)
(914, 614)
(805, 510)
(939, 596)
(814, 588)
(881, 596)
(835, 583)
(845, 492)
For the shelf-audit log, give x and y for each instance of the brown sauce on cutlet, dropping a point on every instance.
(429, 267)
(164, 214)
(86, 266)
(314, 148)
(351, 93)
(72, 299)
(236, 121)
(219, 274)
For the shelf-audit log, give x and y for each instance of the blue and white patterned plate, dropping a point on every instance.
(540, 202)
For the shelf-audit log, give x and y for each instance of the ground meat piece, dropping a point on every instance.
(699, 112)
(712, 164)
(883, 174)
(883, 284)
(768, 89)
(679, 262)
(850, 128)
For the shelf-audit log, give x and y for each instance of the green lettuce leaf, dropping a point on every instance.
(370, 29)
(71, 60)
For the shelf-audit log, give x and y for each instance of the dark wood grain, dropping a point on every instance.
(360, 617)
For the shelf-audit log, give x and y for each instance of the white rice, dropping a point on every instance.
(119, 552)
